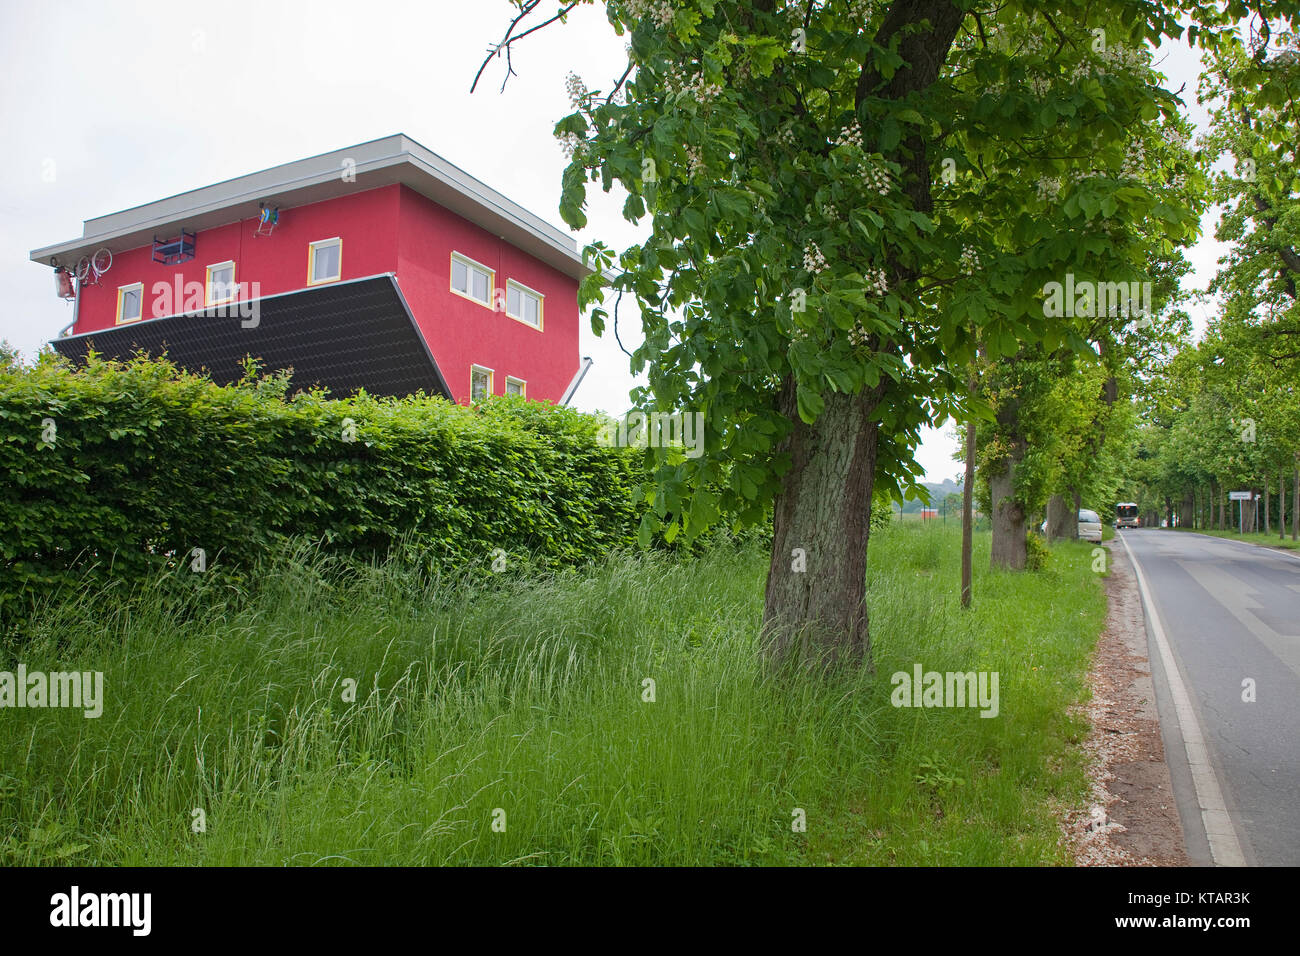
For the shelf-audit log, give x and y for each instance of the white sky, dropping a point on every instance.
(104, 106)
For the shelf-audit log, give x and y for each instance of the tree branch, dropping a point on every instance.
(510, 38)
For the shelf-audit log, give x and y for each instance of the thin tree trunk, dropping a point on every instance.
(1073, 527)
(1266, 504)
(1295, 500)
(968, 512)
(818, 616)
(1281, 505)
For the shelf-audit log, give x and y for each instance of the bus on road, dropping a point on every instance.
(1126, 515)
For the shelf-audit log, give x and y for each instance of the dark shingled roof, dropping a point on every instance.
(344, 336)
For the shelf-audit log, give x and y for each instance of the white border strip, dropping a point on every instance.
(1224, 846)
(1268, 549)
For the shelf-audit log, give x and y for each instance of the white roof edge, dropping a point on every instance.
(389, 153)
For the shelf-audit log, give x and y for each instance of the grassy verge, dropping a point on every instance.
(524, 706)
(1270, 540)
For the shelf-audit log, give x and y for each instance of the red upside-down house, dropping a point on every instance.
(380, 266)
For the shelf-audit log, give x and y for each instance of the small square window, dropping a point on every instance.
(480, 383)
(221, 283)
(471, 279)
(524, 304)
(516, 386)
(130, 302)
(325, 261)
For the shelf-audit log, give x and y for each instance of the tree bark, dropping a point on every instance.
(1295, 500)
(815, 611)
(1281, 504)
(1266, 504)
(1008, 550)
(1057, 514)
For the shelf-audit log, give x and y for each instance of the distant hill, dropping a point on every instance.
(938, 492)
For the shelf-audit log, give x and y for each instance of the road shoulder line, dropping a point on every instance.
(1285, 552)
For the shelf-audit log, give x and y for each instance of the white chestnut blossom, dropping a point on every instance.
(878, 177)
(697, 88)
(660, 11)
(813, 260)
(850, 136)
(877, 283)
(694, 164)
(1135, 158)
(860, 9)
(1116, 58)
(569, 143)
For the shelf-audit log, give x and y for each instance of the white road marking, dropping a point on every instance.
(1224, 846)
(1267, 549)
(1238, 599)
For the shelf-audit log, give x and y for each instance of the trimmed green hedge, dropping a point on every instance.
(147, 463)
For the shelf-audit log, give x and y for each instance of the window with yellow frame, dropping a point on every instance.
(480, 383)
(325, 261)
(130, 302)
(220, 286)
(516, 386)
(472, 279)
(524, 304)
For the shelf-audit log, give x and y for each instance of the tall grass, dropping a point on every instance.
(508, 723)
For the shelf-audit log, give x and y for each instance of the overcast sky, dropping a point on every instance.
(107, 105)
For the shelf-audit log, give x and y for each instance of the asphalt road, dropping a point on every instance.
(1230, 615)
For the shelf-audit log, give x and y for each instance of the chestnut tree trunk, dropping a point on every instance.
(1058, 523)
(1008, 517)
(815, 609)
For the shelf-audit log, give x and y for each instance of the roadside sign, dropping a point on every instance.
(1243, 497)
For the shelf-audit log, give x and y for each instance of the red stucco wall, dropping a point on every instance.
(387, 229)
(460, 331)
(366, 222)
